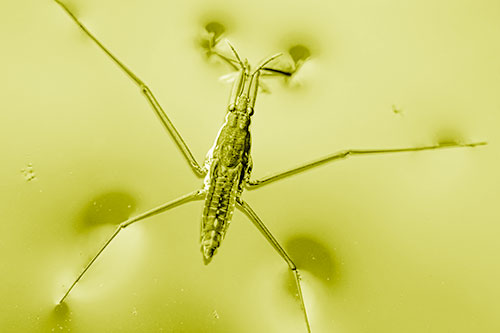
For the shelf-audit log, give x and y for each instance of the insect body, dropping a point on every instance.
(228, 162)
(228, 165)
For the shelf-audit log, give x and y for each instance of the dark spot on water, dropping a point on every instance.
(111, 207)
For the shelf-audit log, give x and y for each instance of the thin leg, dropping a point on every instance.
(274, 71)
(275, 244)
(268, 70)
(169, 205)
(162, 116)
(346, 153)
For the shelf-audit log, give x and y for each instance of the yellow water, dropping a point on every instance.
(399, 243)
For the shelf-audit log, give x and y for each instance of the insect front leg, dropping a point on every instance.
(211, 37)
(158, 110)
(278, 248)
(196, 195)
(346, 153)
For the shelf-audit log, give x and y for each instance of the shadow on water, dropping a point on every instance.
(448, 136)
(210, 36)
(311, 255)
(111, 207)
(59, 319)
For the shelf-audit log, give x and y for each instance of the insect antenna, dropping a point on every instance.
(235, 53)
(266, 61)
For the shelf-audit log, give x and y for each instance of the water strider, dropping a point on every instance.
(228, 165)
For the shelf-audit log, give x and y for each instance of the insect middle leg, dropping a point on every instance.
(196, 195)
(158, 110)
(275, 244)
(346, 153)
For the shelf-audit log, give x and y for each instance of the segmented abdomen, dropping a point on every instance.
(219, 207)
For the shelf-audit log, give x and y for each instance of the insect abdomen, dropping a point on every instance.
(219, 207)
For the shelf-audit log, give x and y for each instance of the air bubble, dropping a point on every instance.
(28, 172)
(216, 315)
(396, 109)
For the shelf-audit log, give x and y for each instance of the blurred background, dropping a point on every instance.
(394, 243)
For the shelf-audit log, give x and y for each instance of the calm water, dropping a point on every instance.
(401, 243)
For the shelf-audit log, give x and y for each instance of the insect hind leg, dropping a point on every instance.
(278, 248)
(196, 195)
